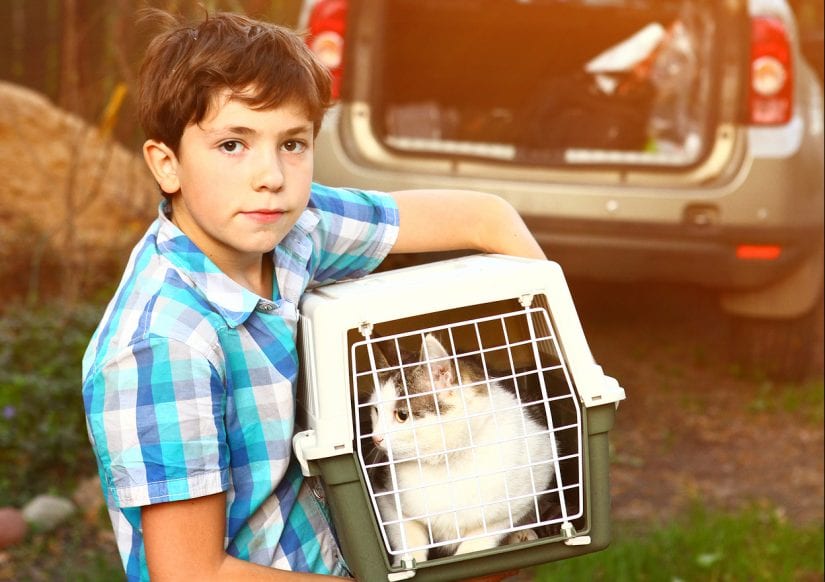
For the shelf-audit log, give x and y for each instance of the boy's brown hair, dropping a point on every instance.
(186, 66)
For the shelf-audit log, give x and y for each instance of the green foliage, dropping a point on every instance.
(79, 551)
(753, 544)
(805, 400)
(43, 442)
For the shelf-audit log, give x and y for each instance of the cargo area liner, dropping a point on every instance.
(641, 96)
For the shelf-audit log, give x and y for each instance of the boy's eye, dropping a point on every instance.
(401, 415)
(231, 147)
(294, 146)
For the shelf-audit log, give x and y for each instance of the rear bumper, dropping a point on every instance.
(685, 254)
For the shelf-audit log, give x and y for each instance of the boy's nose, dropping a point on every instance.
(268, 174)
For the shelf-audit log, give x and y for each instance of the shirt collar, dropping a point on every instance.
(234, 302)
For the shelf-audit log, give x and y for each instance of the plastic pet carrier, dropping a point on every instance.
(456, 418)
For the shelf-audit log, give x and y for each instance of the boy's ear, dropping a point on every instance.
(163, 164)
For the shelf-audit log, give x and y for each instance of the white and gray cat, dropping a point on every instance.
(465, 454)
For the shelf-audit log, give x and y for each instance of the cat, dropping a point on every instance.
(461, 445)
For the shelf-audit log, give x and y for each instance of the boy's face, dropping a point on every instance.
(244, 177)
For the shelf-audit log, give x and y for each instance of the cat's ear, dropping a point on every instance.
(432, 348)
(439, 361)
(380, 359)
(366, 383)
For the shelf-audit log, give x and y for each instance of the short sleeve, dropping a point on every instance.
(156, 421)
(355, 232)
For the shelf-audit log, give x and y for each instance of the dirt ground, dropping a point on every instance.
(692, 426)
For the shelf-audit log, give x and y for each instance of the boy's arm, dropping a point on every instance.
(447, 220)
(184, 541)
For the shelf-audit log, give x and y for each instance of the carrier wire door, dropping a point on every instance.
(516, 351)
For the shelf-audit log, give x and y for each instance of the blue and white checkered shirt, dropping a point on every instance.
(189, 383)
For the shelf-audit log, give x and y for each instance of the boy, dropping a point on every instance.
(188, 382)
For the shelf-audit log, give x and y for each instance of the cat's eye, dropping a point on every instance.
(401, 415)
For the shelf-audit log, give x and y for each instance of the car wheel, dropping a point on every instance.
(780, 349)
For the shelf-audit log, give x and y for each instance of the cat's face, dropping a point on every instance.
(415, 415)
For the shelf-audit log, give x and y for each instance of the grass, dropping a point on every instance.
(806, 400)
(755, 544)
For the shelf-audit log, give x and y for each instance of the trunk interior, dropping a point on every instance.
(545, 82)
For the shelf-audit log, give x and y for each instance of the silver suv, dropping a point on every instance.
(677, 140)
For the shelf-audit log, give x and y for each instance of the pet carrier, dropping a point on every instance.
(456, 418)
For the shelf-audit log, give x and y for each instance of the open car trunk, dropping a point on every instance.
(552, 83)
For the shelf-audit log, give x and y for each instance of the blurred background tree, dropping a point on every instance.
(76, 52)
(83, 57)
(810, 15)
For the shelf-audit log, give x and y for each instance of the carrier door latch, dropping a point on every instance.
(569, 532)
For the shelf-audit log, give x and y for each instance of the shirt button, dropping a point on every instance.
(266, 307)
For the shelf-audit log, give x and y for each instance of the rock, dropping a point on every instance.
(13, 527)
(46, 512)
(89, 498)
(117, 195)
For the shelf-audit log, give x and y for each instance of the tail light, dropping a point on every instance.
(758, 252)
(327, 24)
(771, 78)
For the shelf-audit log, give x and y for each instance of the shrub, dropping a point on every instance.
(43, 442)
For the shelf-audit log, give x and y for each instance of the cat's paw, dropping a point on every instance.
(517, 537)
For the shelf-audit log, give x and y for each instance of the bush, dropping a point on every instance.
(43, 442)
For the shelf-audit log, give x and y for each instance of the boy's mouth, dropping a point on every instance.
(264, 215)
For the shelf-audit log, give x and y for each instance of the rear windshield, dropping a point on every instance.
(549, 82)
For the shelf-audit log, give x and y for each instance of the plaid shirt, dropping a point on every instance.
(189, 383)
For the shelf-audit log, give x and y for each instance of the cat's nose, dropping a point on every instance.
(377, 439)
